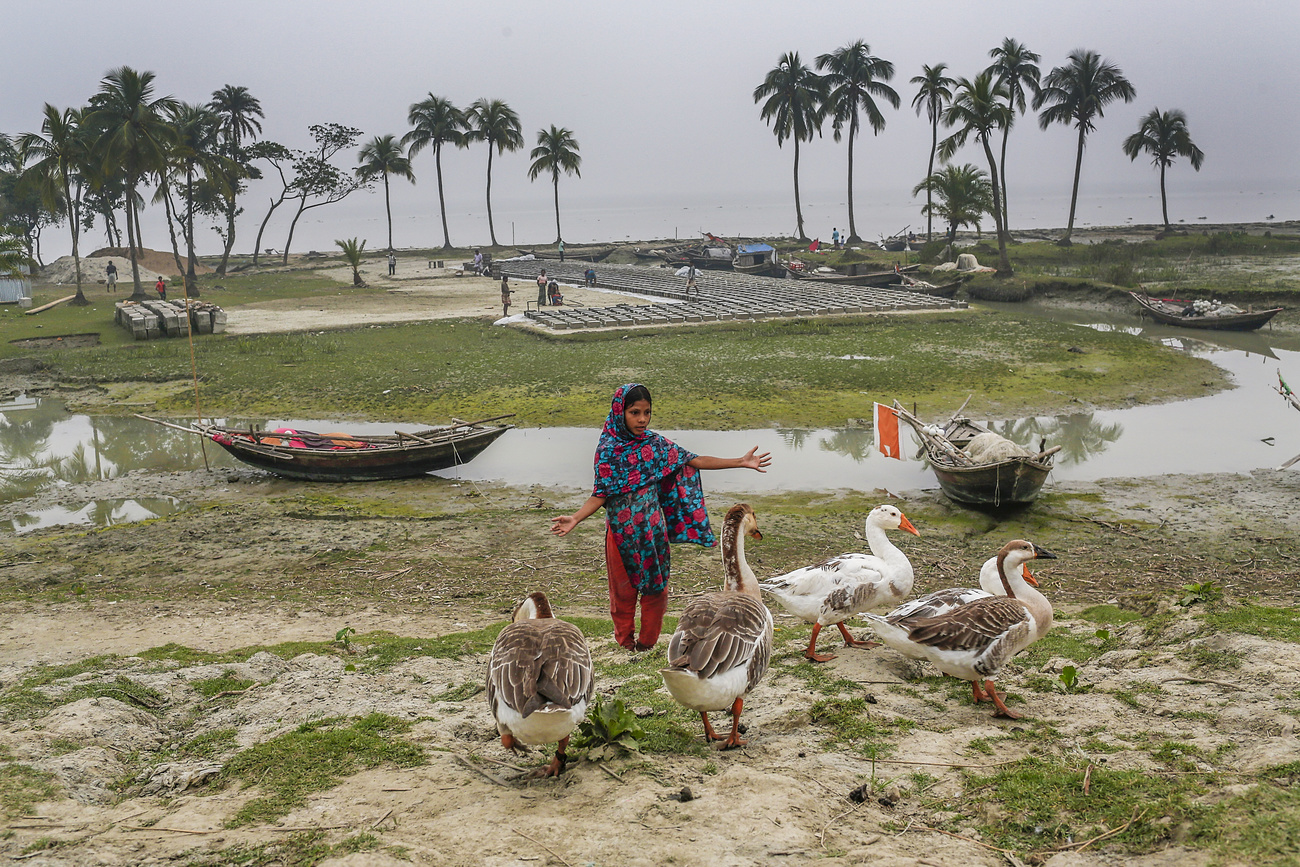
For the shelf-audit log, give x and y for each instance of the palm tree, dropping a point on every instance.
(1076, 94)
(556, 151)
(435, 122)
(197, 150)
(795, 105)
(853, 78)
(60, 153)
(1016, 67)
(135, 138)
(978, 108)
(964, 192)
(239, 112)
(933, 94)
(13, 256)
(380, 157)
(494, 122)
(353, 253)
(1164, 136)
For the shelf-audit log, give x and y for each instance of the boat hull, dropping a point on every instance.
(1014, 482)
(1157, 309)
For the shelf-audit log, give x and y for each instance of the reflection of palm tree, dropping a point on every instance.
(856, 443)
(794, 439)
(1021, 431)
(1080, 436)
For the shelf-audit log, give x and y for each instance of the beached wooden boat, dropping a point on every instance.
(1014, 481)
(865, 278)
(942, 290)
(757, 259)
(338, 457)
(1173, 311)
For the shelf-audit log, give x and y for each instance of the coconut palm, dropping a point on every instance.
(1164, 136)
(1076, 94)
(497, 124)
(13, 255)
(380, 157)
(854, 78)
(60, 151)
(793, 98)
(196, 151)
(1017, 68)
(134, 141)
(978, 109)
(352, 252)
(240, 113)
(933, 95)
(964, 193)
(435, 122)
(556, 151)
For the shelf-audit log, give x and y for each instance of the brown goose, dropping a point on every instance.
(723, 641)
(539, 680)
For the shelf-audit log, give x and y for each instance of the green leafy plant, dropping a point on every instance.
(1070, 677)
(1102, 634)
(1204, 591)
(343, 638)
(609, 730)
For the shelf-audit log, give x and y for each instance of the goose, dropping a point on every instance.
(975, 640)
(943, 601)
(723, 641)
(539, 681)
(833, 591)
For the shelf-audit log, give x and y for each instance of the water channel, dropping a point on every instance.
(1237, 430)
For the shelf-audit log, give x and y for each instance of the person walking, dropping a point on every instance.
(110, 277)
(541, 288)
(690, 280)
(561, 251)
(650, 490)
(392, 263)
(161, 286)
(505, 296)
(835, 238)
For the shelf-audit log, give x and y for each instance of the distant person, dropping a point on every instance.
(835, 238)
(161, 286)
(815, 245)
(505, 296)
(553, 293)
(590, 276)
(110, 276)
(392, 263)
(690, 280)
(561, 251)
(541, 289)
(478, 262)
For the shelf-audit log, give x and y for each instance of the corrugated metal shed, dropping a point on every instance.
(12, 290)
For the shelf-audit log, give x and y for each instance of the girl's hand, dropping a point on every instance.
(756, 461)
(562, 525)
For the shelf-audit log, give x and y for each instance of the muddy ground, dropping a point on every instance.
(116, 752)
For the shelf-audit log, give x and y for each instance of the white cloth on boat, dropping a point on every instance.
(990, 448)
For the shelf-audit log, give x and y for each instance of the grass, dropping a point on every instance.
(314, 757)
(22, 787)
(1278, 624)
(847, 722)
(304, 849)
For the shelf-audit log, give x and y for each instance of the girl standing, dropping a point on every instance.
(650, 488)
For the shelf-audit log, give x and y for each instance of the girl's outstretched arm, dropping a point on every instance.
(563, 524)
(750, 460)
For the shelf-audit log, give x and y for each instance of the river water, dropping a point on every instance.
(1237, 430)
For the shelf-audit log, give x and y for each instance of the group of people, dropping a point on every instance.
(110, 278)
(548, 291)
(650, 490)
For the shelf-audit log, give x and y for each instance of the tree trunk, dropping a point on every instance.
(388, 209)
(230, 238)
(1164, 204)
(1074, 195)
(442, 199)
(491, 231)
(171, 228)
(257, 245)
(929, 173)
(853, 227)
(555, 180)
(798, 208)
(137, 292)
(1004, 264)
(191, 279)
(73, 222)
(302, 206)
(1006, 225)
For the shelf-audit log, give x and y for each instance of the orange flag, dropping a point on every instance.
(887, 437)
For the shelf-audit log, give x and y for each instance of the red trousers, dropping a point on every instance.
(622, 602)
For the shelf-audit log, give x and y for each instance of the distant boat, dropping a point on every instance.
(1173, 311)
(759, 259)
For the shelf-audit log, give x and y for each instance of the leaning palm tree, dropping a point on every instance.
(380, 157)
(1164, 136)
(239, 112)
(352, 253)
(854, 78)
(1017, 68)
(793, 98)
(435, 122)
(964, 193)
(134, 138)
(556, 151)
(497, 124)
(60, 152)
(933, 95)
(978, 109)
(1076, 94)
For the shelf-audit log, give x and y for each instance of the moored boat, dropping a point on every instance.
(1185, 314)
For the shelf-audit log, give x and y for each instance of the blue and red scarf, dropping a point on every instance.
(652, 497)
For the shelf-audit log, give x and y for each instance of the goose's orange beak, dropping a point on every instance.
(904, 524)
(1029, 576)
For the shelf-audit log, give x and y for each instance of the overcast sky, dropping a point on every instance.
(660, 95)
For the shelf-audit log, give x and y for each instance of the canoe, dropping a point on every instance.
(866, 278)
(338, 457)
(1015, 481)
(1170, 311)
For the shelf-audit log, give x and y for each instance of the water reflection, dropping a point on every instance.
(97, 513)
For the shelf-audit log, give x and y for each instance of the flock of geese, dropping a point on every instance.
(540, 681)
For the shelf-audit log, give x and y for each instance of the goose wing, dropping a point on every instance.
(975, 627)
(826, 577)
(936, 603)
(539, 662)
(719, 632)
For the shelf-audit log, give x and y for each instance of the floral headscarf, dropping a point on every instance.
(653, 497)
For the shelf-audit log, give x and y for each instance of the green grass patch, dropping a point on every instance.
(209, 745)
(305, 849)
(22, 787)
(1278, 624)
(1109, 615)
(849, 723)
(227, 682)
(314, 757)
(24, 701)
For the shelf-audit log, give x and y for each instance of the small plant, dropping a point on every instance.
(343, 638)
(1205, 591)
(1102, 634)
(609, 729)
(1070, 677)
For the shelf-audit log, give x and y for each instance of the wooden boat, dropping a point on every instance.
(337, 457)
(1290, 397)
(1172, 311)
(943, 290)
(1014, 481)
(757, 259)
(866, 278)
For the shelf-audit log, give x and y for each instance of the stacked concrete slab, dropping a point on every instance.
(151, 319)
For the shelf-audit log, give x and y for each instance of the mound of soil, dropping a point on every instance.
(154, 260)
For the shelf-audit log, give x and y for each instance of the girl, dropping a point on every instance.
(650, 488)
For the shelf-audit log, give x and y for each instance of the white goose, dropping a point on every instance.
(539, 680)
(723, 641)
(974, 641)
(943, 601)
(831, 592)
